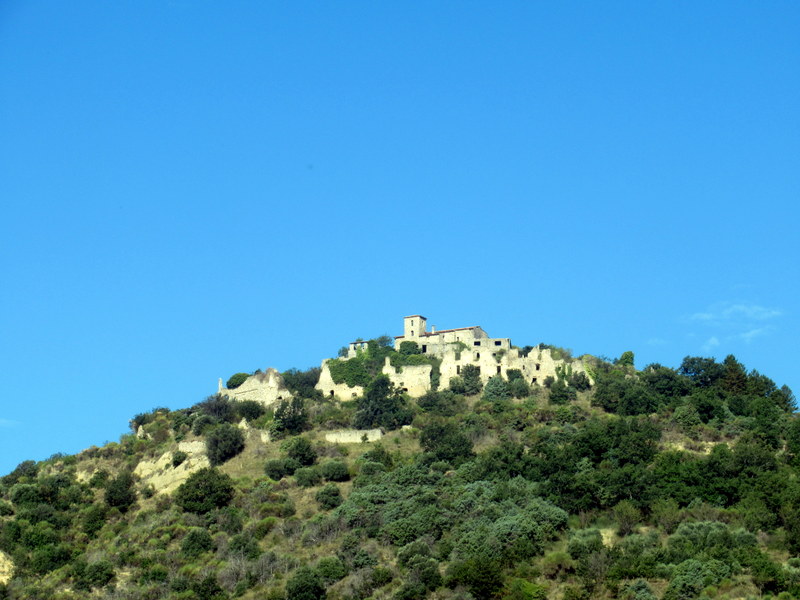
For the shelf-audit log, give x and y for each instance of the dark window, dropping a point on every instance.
(498, 369)
(538, 366)
(458, 369)
(424, 348)
(497, 343)
(533, 380)
(477, 356)
(476, 343)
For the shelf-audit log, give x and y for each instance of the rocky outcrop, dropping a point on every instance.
(163, 476)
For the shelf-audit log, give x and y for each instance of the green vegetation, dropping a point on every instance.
(640, 485)
(235, 380)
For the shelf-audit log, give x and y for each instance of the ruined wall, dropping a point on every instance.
(414, 379)
(330, 389)
(265, 388)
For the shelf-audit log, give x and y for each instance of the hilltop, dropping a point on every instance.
(438, 468)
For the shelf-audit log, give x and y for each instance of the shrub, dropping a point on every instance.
(205, 490)
(279, 468)
(291, 417)
(178, 457)
(202, 423)
(329, 496)
(579, 381)
(245, 546)
(223, 443)
(496, 389)
(95, 575)
(250, 409)
(27, 469)
(120, 493)
(307, 476)
(334, 470)
(331, 569)
(305, 584)
(409, 348)
(197, 541)
(471, 375)
(457, 385)
(302, 383)
(94, 517)
(301, 449)
(560, 393)
(236, 380)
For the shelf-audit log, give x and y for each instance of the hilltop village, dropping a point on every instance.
(453, 348)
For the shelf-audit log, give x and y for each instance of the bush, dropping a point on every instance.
(27, 469)
(178, 458)
(471, 375)
(245, 546)
(219, 407)
(334, 470)
(409, 348)
(197, 541)
(291, 417)
(329, 497)
(223, 443)
(331, 569)
(305, 584)
(204, 491)
(94, 517)
(202, 423)
(279, 468)
(119, 492)
(307, 476)
(496, 389)
(301, 450)
(95, 575)
(236, 380)
(560, 393)
(250, 409)
(579, 381)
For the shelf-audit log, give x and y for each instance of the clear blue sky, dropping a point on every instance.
(194, 188)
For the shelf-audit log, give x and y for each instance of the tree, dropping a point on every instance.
(496, 389)
(237, 379)
(471, 375)
(204, 491)
(382, 405)
(446, 442)
(223, 443)
(305, 584)
(301, 450)
(560, 393)
(409, 348)
(290, 417)
(120, 493)
(302, 383)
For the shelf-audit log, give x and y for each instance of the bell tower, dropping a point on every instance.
(414, 326)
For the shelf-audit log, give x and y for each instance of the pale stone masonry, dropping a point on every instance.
(456, 348)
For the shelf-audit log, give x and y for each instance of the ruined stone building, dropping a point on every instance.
(456, 348)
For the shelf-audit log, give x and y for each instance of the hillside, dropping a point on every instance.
(604, 481)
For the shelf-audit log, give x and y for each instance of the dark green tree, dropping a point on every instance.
(382, 405)
(305, 584)
(204, 491)
(223, 443)
(119, 491)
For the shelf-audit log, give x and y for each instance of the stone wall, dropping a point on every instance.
(265, 388)
(331, 389)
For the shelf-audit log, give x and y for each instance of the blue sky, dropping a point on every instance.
(191, 189)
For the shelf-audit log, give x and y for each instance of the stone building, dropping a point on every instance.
(455, 348)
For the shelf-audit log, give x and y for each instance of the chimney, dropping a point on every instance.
(433, 329)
